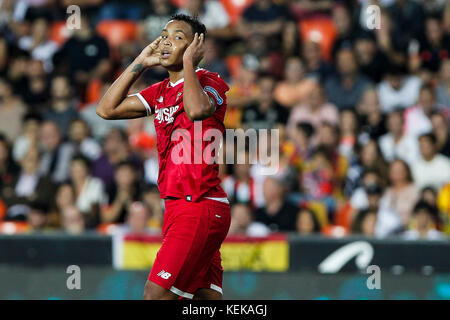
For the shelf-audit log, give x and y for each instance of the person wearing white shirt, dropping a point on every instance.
(433, 169)
(398, 90)
(417, 118)
(396, 144)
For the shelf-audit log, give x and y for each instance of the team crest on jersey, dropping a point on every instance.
(166, 114)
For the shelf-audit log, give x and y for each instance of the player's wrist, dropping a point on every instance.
(187, 62)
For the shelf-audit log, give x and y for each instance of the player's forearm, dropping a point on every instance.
(119, 89)
(196, 102)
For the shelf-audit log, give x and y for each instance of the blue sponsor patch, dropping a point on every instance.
(214, 92)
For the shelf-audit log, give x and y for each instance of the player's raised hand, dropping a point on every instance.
(151, 55)
(194, 53)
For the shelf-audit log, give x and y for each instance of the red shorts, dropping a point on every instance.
(189, 257)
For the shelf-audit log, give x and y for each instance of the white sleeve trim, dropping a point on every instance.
(144, 102)
(181, 293)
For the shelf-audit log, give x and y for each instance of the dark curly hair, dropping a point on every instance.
(196, 25)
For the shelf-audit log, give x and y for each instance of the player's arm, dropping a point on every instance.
(115, 104)
(198, 105)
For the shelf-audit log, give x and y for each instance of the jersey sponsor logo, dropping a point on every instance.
(166, 114)
(214, 92)
(163, 274)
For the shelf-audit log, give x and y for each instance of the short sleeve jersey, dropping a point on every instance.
(186, 148)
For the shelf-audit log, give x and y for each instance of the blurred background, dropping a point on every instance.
(364, 120)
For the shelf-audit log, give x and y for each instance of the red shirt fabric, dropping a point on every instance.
(194, 177)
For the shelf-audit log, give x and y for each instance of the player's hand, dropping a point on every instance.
(194, 53)
(151, 55)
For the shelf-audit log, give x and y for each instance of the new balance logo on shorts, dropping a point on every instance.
(163, 274)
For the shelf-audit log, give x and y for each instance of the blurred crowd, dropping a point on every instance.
(363, 115)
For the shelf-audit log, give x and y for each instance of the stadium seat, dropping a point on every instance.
(117, 31)
(178, 3)
(235, 8)
(107, 228)
(59, 33)
(233, 63)
(13, 227)
(320, 30)
(334, 231)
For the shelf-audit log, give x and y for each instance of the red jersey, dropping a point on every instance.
(185, 180)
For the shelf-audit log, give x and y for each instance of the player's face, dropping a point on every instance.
(176, 37)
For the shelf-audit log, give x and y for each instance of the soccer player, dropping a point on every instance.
(197, 215)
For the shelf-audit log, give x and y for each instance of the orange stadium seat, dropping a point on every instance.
(235, 8)
(233, 63)
(117, 31)
(320, 30)
(12, 227)
(59, 33)
(178, 3)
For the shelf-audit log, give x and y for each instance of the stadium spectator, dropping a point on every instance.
(157, 14)
(397, 144)
(56, 154)
(38, 44)
(346, 31)
(64, 197)
(442, 132)
(34, 85)
(137, 220)
(264, 17)
(240, 186)
(81, 142)
(433, 169)
(8, 168)
(346, 86)
(372, 61)
(73, 221)
(115, 10)
(266, 113)
(115, 150)
(63, 107)
(402, 194)
(242, 222)
(315, 67)
(307, 222)
(424, 223)
(29, 137)
(37, 217)
(28, 187)
(417, 118)
(434, 47)
(12, 110)
(89, 191)
(150, 196)
(296, 87)
(443, 87)
(315, 111)
(278, 214)
(359, 199)
(372, 120)
(348, 123)
(124, 192)
(369, 157)
(398, 89)
(86, 54)
(365, 222)
(213, 59)
(212, 14)
(99, 126)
